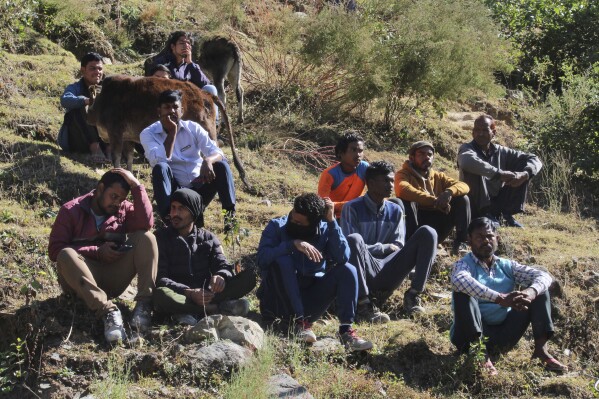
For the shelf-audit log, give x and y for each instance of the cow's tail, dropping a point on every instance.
(236, 160)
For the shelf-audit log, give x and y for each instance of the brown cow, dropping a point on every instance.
(126, 105)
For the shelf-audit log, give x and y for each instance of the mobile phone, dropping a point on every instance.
(124, 248)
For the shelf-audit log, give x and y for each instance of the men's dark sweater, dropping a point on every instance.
(189, 262)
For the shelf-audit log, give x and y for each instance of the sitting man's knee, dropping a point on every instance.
(355, 240)
(65, 255)
(427, 231)
(160, 168)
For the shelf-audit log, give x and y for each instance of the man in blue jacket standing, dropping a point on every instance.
(296, 282)
(75, 134)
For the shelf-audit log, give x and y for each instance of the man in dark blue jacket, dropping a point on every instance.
(194, 278)
(296, 283)
(75, 134)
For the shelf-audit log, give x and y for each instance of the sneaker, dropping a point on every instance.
(412, 303)
(185, 319)
(234, 307)
(113, 326)
(141, 319)
(352, 342)
(459, 248)
(511, 222)
(303, 331)
(368, 312)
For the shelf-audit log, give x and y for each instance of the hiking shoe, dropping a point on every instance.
(368, 312)
(352, 342)
(113, 326)
(184, 319)
(459, 248)
(303, 331)
(235, 307)
(412, 303)
(141, 319)
(511, 222)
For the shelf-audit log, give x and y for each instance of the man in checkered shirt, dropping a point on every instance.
(487, 300)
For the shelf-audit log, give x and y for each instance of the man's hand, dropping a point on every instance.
(329, 210)
(521, 178)
(523, 301)
(507, 300)
(217, 284)
(443, 200)
(187, 58)
(128, 176)
(308, 249)
(200, 296)
(169, 124)
(107, 253)
(506, 176)
(393, 248)
(206, 172)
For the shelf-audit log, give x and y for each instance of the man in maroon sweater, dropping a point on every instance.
(100, 241)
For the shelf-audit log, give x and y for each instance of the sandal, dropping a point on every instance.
(552, 364)
(489, 368)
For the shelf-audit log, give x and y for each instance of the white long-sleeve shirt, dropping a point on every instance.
(191, 143)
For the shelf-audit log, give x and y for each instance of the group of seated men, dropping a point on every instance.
(349, 244)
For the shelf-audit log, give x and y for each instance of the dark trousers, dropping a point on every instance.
(167, 301)
(388, 273)
(458, 217)
(81, 135)
(509, 201)
(468, 325)
(285, 295)
(164, 184)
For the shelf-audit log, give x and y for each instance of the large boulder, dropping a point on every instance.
(240, 330)
(219, 356)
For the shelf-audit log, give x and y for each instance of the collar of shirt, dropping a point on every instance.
(488, 154)
(427, 184)
(372, 206)
(484, 265)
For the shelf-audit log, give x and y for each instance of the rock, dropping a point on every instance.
(284, 386)
(591, 280)
(149, 364)
(55, 356)
(221, 355)
(238, 329)
(327, 346)
(266, 202)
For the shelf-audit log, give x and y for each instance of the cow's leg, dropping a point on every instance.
(234, 77)
(116, 147)
(128, 148)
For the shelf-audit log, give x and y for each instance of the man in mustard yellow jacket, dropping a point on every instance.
(432, 198)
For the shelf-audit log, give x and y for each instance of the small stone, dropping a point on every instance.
(44, 385)
(284, 386)
(55, 356)
(567, 352)
(266, 202)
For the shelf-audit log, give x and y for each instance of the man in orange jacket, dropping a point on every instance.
(431, 197)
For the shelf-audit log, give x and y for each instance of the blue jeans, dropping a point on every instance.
(284, 293)
(164, 184)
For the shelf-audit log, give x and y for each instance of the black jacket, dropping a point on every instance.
(189, 262)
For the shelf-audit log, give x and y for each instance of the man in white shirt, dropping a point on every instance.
(183, 155)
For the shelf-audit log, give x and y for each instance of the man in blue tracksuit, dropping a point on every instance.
(296, 283)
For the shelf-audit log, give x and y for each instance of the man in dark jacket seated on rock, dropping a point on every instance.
(194, 278)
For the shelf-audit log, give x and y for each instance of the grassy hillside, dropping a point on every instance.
(51, 347)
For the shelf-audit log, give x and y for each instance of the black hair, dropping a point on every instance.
(169, 96)
(309, 205)
(175, 36)
(89, 57)
(480, 223)
(159, 67)
(378, 168)
(109, 178)
(351, 136)
(482, 119)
